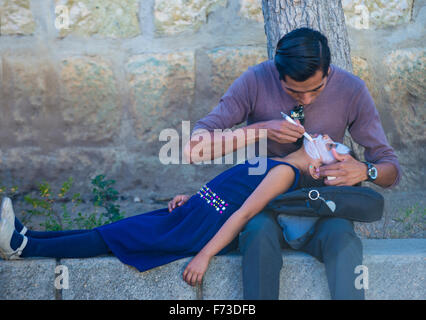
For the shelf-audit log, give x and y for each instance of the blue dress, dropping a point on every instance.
(158, 237)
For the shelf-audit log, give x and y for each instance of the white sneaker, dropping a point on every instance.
(8, 214)
(6, 232)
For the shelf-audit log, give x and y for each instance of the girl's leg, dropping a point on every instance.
(16, 240)
(53, 234)
(8, 214)
(44, 234)
(20, 227)
(79, 245)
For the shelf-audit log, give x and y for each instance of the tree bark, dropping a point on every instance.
(283, 16)
(326, 16)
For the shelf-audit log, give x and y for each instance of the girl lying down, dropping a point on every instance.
(201, 225)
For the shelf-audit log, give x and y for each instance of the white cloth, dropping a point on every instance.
(319, 149)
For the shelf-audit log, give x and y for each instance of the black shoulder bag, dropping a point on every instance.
(361, 204)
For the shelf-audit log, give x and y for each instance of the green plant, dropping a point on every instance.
(104, 197)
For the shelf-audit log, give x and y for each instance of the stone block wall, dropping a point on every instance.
(87, 87)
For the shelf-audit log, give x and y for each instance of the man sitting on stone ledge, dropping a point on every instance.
(301, 81)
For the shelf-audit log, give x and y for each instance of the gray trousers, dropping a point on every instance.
(333, 243)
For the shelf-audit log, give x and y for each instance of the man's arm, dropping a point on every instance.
(366, 129)
(349, 172)
(209, 146)
(206, 145)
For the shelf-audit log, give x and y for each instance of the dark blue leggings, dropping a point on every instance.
(65, 244)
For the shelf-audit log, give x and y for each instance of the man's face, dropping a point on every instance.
(307, 91)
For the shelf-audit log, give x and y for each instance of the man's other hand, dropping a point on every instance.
(347, 170)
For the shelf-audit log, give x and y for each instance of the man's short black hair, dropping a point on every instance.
(300, 53)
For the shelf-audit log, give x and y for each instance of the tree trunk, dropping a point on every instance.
(283, 16)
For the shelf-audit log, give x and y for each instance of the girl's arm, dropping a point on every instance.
(278, 180)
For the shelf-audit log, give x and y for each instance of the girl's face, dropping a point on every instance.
(320, 148)
(320, 152)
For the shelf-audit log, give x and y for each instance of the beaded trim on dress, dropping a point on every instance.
(213, 199)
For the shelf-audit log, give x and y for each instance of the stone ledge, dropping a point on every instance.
(27, 279)
(396, 269)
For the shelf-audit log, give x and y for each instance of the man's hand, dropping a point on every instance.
(283, 131)
(195, 270)
(346, 170)
(177, 201)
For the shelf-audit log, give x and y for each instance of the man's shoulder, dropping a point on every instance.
(263, 69)
(344, 79)
(264, 65)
